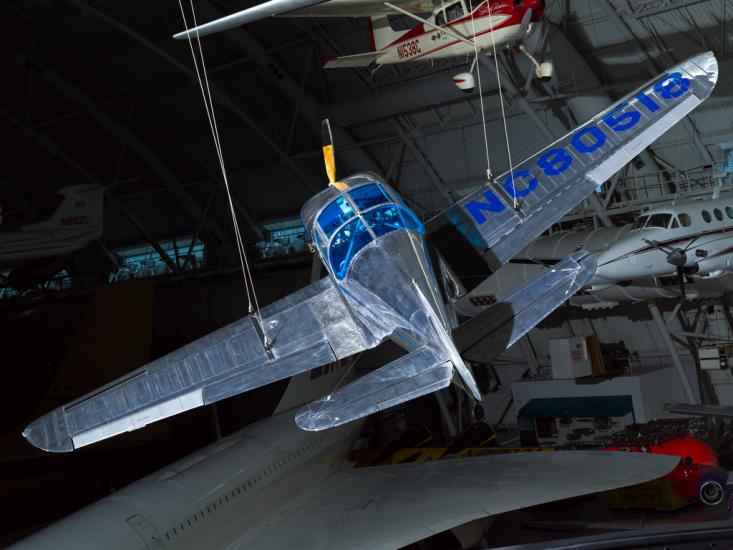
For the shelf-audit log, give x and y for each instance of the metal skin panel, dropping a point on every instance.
(404, 379)
(226, 362)
(552, 182)
(393, 275)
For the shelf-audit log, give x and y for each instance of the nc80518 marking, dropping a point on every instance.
(587, 140)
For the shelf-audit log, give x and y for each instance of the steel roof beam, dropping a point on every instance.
(400, 124)
(217, 94)
(652, 69)
(55, 149)
(134, 143)
(292, 91)
(121, 82)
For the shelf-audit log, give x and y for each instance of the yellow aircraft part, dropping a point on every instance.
(330, 160)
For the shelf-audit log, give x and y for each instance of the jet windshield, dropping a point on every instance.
(659, 220)
(352, 221)
(640, 222)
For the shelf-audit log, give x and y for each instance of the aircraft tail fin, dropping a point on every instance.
(503, 323)
(82, 208)
(403, 379)
(381, 33)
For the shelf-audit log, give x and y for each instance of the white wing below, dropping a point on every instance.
(392, 506)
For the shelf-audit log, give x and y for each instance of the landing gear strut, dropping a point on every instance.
(543, 71)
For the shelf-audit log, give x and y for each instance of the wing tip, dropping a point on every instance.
(37, 435)
(311, 421)
(707, 64)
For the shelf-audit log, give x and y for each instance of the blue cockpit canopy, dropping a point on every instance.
(343, 220)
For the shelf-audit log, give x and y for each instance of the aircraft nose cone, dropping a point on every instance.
(612, 266)
(677, 257)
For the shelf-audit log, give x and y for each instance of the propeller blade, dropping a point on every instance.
(658, 246)
(681, 282)
(693, 241)
(328, 153)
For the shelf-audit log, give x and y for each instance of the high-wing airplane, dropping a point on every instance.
(694, 238)
(453, 28)
(37, 251)
(672, 251)
(271, 485)
(382, 283)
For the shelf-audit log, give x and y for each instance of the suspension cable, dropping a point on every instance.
(503, 113)
(489, 175)
(203, 82)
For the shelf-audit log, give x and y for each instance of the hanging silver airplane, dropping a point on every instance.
(37, 251)
(272, 485)
(681, 250)
(382, 284)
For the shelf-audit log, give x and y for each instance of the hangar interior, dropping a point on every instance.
(97, 93)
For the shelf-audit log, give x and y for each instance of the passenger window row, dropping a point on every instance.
(718, 214)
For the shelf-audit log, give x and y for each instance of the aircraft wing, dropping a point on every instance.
(363, 8)
(396, 505)
(307, 8)
(307, 329)
(718, 411)
(347, 61)
(552, 182)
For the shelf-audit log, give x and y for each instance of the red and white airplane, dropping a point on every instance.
(453, 29)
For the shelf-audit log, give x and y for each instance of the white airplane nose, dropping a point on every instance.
(614, 265)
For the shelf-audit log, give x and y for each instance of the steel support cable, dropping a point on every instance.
(481, 98)
(213, 126)
(503, 113)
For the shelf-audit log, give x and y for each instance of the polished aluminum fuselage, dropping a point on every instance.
(390, 283)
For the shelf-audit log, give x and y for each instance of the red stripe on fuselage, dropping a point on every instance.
(676, 240)
(456, 42)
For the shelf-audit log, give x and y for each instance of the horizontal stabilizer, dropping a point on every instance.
(504, 216)
(347, 61)
(413, 375)
(720, 411)
(307, 329)
(503, 323)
